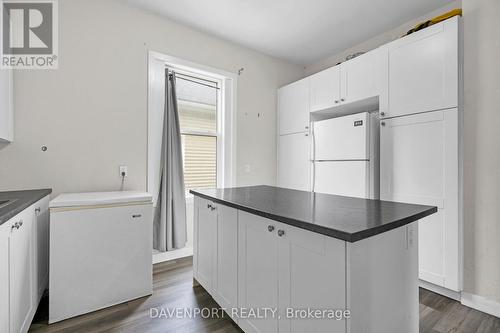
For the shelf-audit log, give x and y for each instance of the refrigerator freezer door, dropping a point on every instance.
(348, 178)
(343, 138)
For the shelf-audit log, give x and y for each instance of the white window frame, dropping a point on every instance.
(226, 122)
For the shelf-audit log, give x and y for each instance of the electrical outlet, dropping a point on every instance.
(123, 171)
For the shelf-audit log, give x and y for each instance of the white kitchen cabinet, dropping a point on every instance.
(257, 270)
(325, 89)
(423, 71)
(216, 251)
(4, 276)
(6, 106)
(359, 77)
(226, 282)
(311, 274)
(41, 236)
(294, 161)
(22, 272)
(349, 87)
(23, 266)
(293, 107)
(419, 163)
(205, 242)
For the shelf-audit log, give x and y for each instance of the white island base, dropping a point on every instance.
(250, 263)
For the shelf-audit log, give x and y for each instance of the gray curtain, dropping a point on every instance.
(170, 215)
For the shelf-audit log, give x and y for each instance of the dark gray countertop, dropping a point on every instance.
(346, 218)
(23, 199)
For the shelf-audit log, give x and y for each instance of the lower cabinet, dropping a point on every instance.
(294, 161)
(22, 272)
(419, 164)
(289, 269)
(215, 251)
(4, 276)
(205, 233)
(257, 271)
(23, 266)
(226, 256)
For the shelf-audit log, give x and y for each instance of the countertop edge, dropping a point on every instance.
(24, 203)
(342, 235)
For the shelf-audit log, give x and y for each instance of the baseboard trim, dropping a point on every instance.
(481, 303)
(159, 257)
(440, 290)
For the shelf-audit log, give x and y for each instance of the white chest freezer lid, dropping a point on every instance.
(99, 198)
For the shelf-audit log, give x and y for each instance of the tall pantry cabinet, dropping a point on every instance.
(294, 147)
(420, 152)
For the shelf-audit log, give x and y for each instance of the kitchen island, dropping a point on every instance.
(281, 260)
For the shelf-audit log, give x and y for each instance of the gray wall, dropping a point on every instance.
(482, 147)
(481, 24)
(91, 113)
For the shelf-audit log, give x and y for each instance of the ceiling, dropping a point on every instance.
(300, 31)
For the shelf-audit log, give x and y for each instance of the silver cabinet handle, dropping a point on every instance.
(14, 226)
(342, 99)
(20, 224)
(281, 233)
(270, 228)
(382, 123)
(38, 210)
(135, 216)
(336, 101)
(307, 134)
(382, 114)
(307, 127)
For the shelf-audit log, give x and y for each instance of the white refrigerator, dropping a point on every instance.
(345, 156)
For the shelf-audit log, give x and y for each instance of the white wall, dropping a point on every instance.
(91, 113)
(482, 147)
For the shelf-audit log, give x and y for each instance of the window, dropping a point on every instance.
(198, 101)
(207, 117)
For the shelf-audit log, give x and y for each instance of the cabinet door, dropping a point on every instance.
(205, 242)
(419, 164)
(41, 235)
(226, 283)
(21, 272)
(294, 161)
(325, 89)
(359, 78)
(257, 270)
(6, 106)
(311, 274)
(293, 106)
(4, 276)
(423, 70)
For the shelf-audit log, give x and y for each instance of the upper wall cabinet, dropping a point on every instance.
(325, 89)
(6, 106)
(293, 106)
(422, 71)
(359, 77)
(352, 81)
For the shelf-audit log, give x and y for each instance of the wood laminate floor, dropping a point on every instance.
(173, 289)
